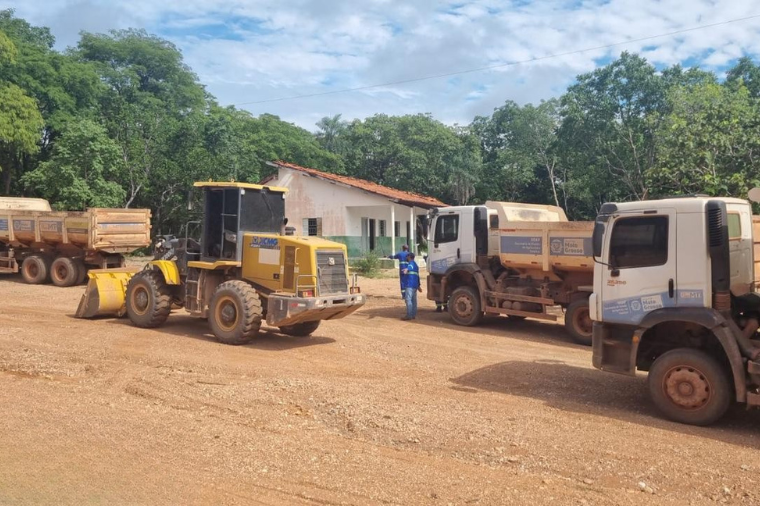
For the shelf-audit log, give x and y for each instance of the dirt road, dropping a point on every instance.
(370, 410)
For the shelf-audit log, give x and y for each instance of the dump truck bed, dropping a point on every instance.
(97, 229)
(547, 246)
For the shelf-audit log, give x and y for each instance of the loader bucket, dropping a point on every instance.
(106, 292)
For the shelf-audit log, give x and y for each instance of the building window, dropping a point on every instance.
(382, 228)
(312, 226)
(639, 242)
(397, 228)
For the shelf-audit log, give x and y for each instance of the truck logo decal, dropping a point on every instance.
(51, 226)
(571, 246)
(4, 224)
(522, 245)
(265, 242)
(442, 265)
(23, 225)
(633, 309)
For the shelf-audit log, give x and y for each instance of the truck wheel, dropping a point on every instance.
(578, 322)
(689, 386)
(300, 329)
(64, 271)
(464, 306)
(81, 271)
(149, 299)
(235, 313)
(35, 269)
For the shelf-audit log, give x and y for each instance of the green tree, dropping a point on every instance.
(746, 73)
(330, 134)
(709, 142)
(80, 174)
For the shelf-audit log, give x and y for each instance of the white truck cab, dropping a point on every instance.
(674, 294)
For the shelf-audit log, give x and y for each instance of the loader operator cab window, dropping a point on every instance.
(447, 228)
(231, 211)
(641, 241)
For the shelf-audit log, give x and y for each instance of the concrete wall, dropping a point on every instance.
(341, 209)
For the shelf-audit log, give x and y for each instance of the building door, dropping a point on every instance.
(372, 235)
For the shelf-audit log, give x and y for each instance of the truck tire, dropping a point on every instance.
(81, 272)
(578, 322)
(64, 271)
(300, 329)
(689, 386)
(35, 269)
(464, 306)
(149, 299)
(235, 313)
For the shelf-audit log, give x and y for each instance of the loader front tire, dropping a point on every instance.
(64, 271)
(235, 313)
(300, 329)
(149, 299)
(35, 269)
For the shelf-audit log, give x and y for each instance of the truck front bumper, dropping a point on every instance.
(288, 310)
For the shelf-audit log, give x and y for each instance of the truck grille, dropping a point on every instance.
(331, 272)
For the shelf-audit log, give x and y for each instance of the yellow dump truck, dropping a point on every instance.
(61, 246)
(511, 259)
(244, 270)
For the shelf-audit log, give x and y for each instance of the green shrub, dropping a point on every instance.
(368, 265)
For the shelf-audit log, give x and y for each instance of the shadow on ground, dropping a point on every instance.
(588, 391)
(269, 339)
(536, 331)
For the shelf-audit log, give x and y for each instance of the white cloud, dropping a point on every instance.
(248, 50)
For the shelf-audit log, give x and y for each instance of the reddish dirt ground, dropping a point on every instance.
(369, 410)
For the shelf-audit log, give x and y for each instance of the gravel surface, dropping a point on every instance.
(369, 410)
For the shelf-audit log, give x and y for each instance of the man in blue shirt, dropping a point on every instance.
(411, 283)
(401, 257)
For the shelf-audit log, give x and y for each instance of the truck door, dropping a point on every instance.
(453, 240)
(640, 251)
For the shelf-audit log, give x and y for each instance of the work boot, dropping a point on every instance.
(438, 309)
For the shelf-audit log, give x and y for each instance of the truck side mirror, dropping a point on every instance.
(596, 239)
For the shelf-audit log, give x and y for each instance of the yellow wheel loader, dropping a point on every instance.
(246, 269)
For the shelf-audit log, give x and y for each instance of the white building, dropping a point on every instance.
(364, 216)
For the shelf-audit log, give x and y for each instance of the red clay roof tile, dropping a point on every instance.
(368, 186)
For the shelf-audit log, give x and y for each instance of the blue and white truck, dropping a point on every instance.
(511, 259)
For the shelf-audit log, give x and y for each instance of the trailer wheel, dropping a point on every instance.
(300, 329)
(578, 322)
(149, 299)
(35, 269)
(235, 313)
(689, 386)
(464, 306)
(81, 271)
(64, 271)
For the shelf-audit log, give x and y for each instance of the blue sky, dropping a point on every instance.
(248, 51)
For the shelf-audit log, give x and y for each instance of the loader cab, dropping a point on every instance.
(232, 209)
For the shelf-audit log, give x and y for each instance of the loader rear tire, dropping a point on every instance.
(235, 313)
(578, 322)
(64, 271)
(35, 269)
(149, 299)
(300, 329)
